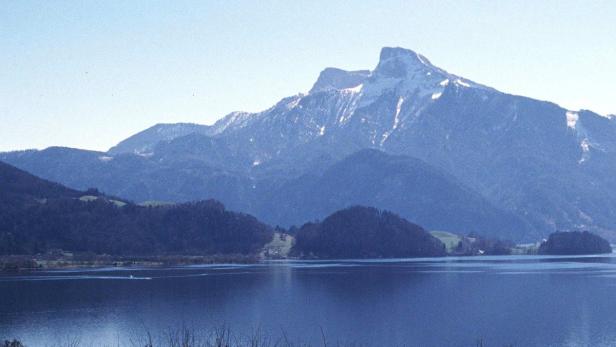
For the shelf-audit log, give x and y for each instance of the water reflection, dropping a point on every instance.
(520, 300)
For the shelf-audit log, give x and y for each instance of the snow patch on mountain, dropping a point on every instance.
(585, 146)
(463, 83)
(398, 108)
(105, 158)
(355, 89)
(386, 134)
(572, 118)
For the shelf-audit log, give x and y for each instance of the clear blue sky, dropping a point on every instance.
(88, 74)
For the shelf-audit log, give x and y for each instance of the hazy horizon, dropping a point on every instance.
(89, 75)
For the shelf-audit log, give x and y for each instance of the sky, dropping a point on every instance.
(88, 74)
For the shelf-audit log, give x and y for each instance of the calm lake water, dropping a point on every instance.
(519, 300)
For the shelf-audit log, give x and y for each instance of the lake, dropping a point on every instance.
(519, 300)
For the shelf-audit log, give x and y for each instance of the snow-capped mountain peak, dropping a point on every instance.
(380, 102)
(397, 62)
(415, 69)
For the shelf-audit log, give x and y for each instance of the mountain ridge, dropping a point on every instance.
(542, 162)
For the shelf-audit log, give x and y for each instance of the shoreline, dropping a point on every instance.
(24, 263)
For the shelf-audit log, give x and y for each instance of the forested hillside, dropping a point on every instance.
(365, 232)
(37, 216)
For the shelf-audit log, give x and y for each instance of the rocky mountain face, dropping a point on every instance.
(545, 165)
(417, 190)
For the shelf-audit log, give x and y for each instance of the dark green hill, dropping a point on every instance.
(575, 242)
(365, 232)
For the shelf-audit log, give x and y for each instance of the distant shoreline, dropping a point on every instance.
(25, 263)
(18, 263)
